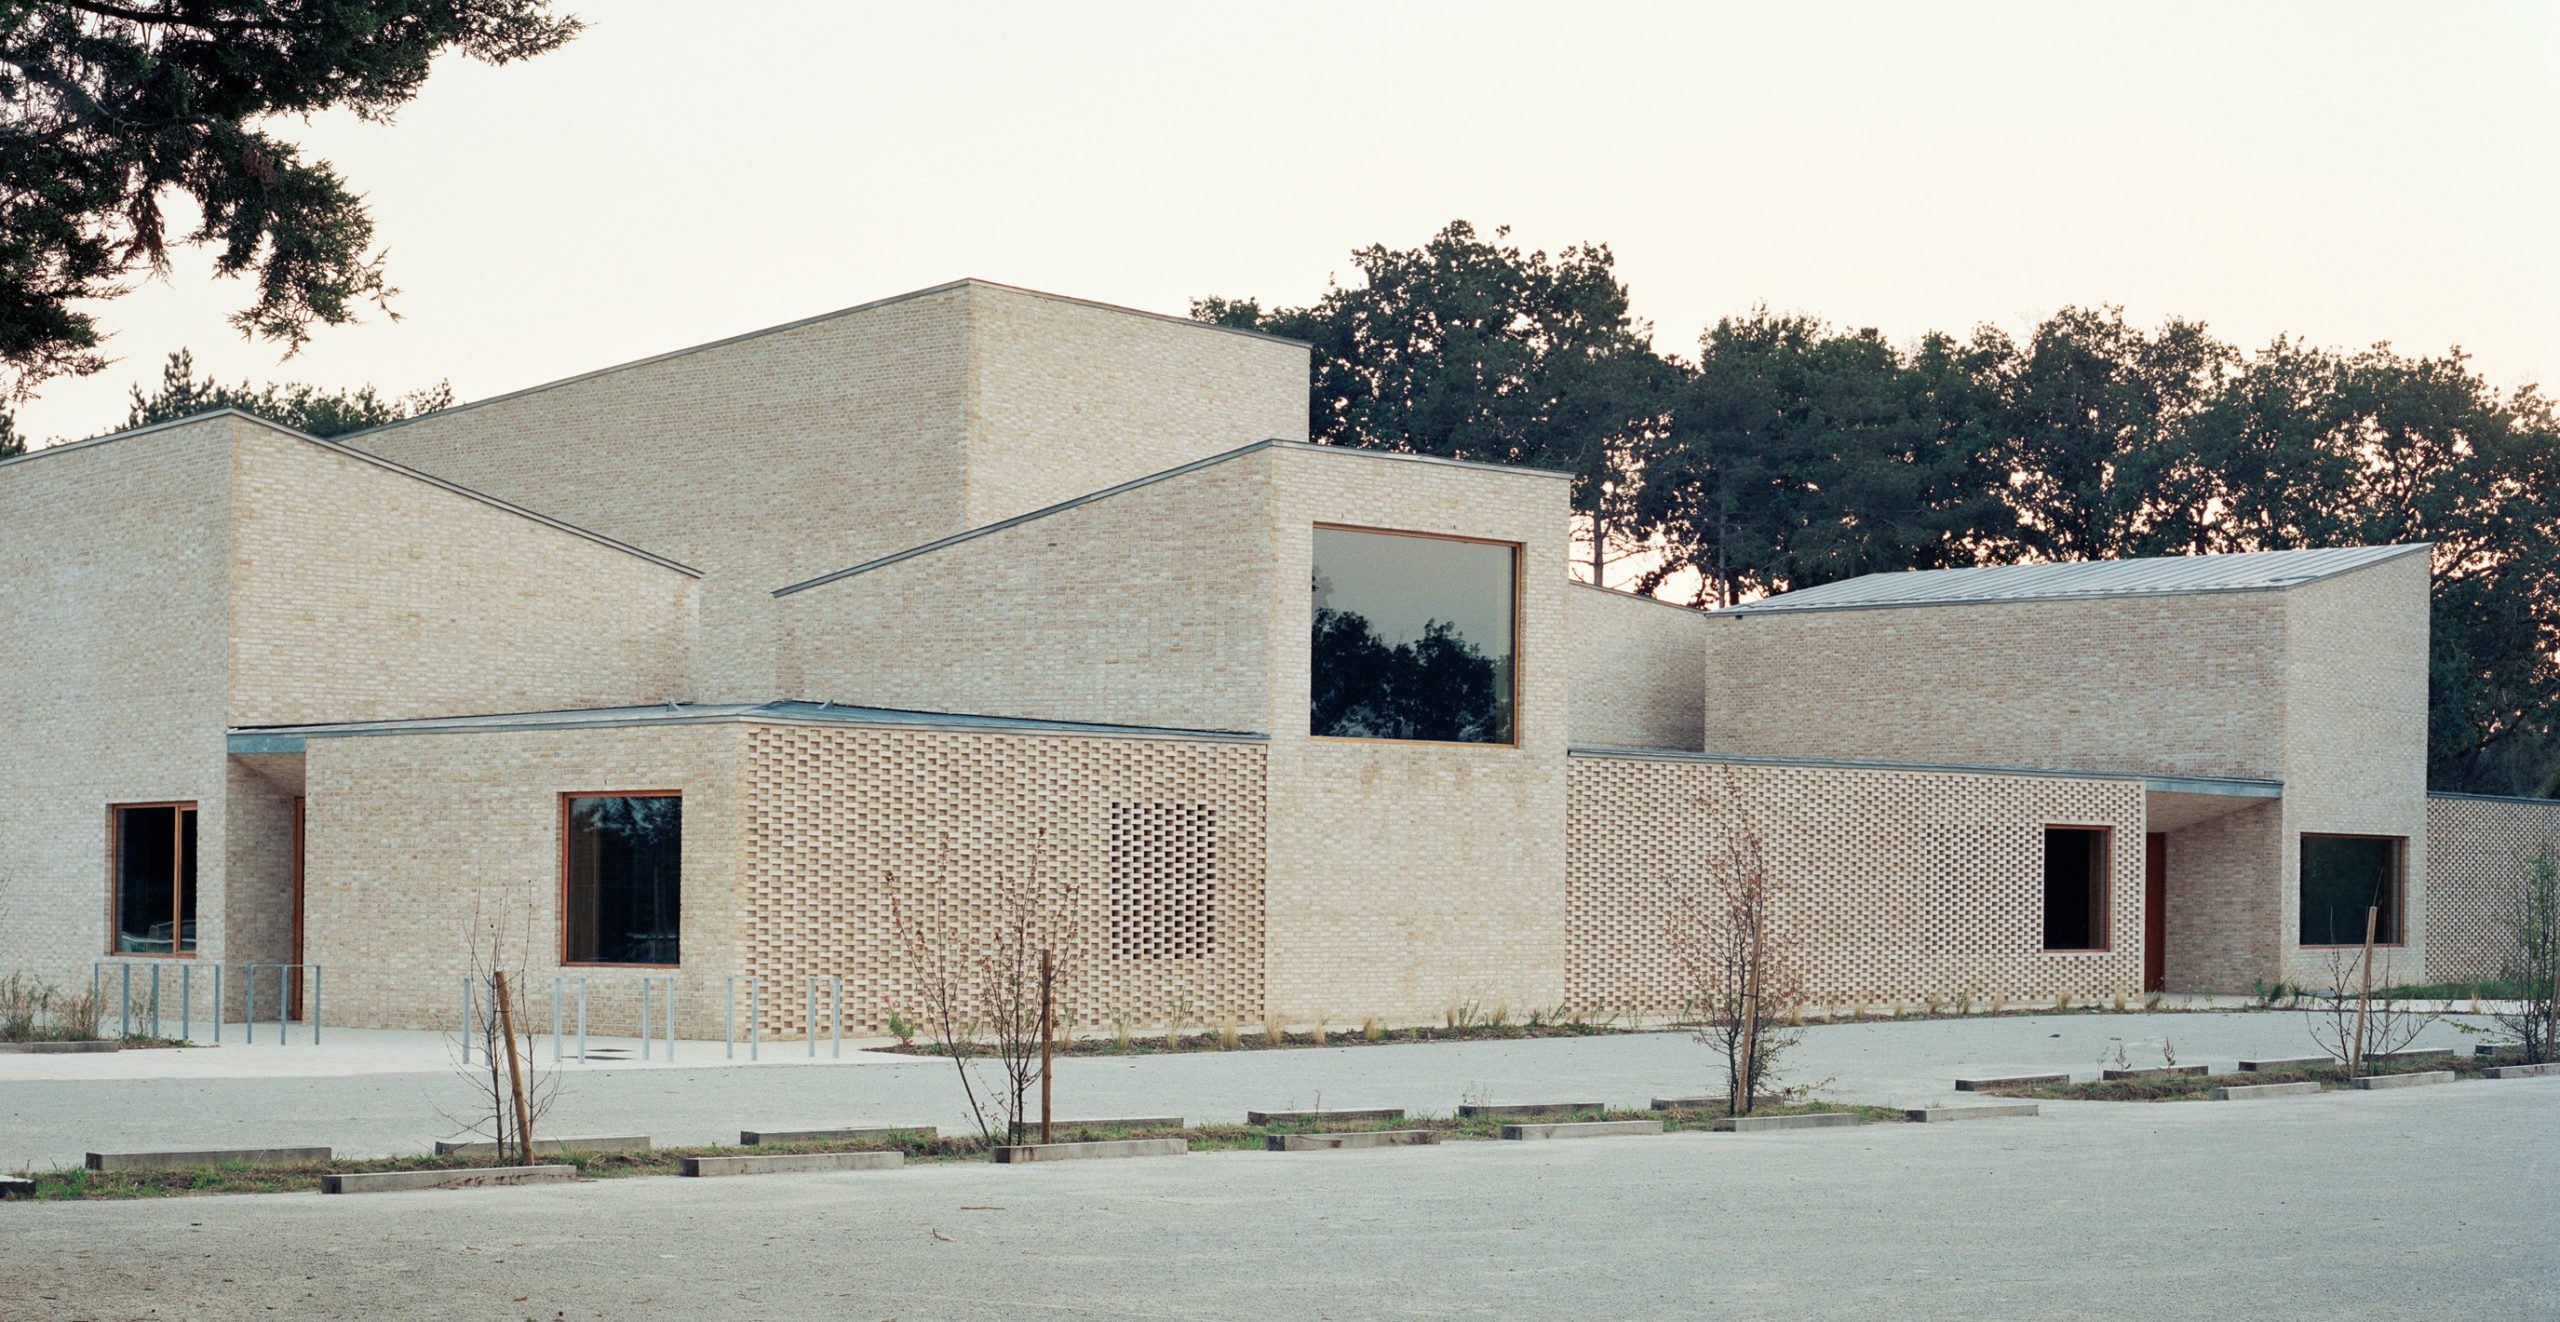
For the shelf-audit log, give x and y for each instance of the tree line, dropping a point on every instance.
(1788, 452)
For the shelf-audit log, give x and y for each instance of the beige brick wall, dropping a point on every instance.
(362, 593)
(1147, 607)
(112, 565)
(2177, 685)
(1160, 839)
(1068, 397)
(411, 839)
(761, 461)
(1408, 875)
(1639, 671)
(1897, 884)
(2355, 703)
(784, 455)
(2480, 851)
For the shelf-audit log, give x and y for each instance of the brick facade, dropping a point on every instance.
(2479, 853)
(1639, 671)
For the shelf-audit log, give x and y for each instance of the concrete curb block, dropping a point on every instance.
(1029, 1127)
(2548, 1069)
(486, 1177)
(57, 1048)
(2152, 1072)
(2012, 1081)
(859, 1134)
(1477, 1111)
(2374, 1081)
(792, 1163)
(1716, 1102)
(1928, 1115)
(2493, 1048)
(1754, 1124)
(546, 1146)
(2420, 1053)
(12, 1186)
(1371, 1138)
(1110, 1147)
(2243, 1092)
(1297, 1117)
(1583, 1129)
(2286, 1063)
(170, 1161)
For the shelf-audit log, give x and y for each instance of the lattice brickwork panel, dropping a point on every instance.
(1899, 884)
(1164, 881)
(1162, 840)
(2477, 853)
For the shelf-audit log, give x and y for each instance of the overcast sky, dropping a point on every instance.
(681, 172)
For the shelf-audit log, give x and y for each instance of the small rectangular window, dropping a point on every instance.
(2075, 888)
(2342, 877)
(621, 878)
(155, 879)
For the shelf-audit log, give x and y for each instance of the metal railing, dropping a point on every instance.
(288, 976)
(569, 1014)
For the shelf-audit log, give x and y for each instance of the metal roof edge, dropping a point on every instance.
(972, 534)
(2151, 783)
(293, 738)
(1478, 464)
(1749, 610)
(2495, 798)
(146, 429)
(1699, 612)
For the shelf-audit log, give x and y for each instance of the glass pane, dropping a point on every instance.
(2342, 876)
(623, 879)
(1412, 638)
(2075, 871)
(147, 876)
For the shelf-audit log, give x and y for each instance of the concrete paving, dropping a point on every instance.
(50, 1121)
(2433, 1203)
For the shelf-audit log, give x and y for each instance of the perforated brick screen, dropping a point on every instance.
(2478, 851)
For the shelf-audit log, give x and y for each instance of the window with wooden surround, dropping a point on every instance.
(2343, 878)
(1413, 637)
(1164, 880)
(154, 878)
(621, 878)
(2075, 887)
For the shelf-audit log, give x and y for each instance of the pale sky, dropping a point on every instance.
(682, 172)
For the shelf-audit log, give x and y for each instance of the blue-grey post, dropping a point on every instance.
(729, 1024)
(124, 1005)
(839, 1016)
(810, 1021)
(555, 1018)
(644, 1016)
(582, 1019)
(187, 1000)
(316, 971)
(284, 1002)
(755, 1027)
(155, 1000)
(217, 1005)
(466, 1018)
(671, 1018)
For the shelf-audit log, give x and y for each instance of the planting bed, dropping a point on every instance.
(2186, 1087)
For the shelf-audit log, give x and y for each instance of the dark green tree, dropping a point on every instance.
(182, 394)
(1797, 455)
(10, 441)
(1470, 348)
(116, 106)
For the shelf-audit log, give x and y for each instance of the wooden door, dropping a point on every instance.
(2155, 912)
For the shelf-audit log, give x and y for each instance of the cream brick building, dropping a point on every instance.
(695, 667)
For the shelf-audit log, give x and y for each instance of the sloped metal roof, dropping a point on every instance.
(2248, 571)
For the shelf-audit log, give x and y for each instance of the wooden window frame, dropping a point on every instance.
(177, 879)
(561, 909)
(1517, 550)
(2103, 921)
(2399, 888)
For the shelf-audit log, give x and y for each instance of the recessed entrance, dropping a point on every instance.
(2155, 912)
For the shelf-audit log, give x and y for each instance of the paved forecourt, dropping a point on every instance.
(52, 1121)
(2162, 1211)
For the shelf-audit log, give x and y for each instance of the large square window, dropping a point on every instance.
(621, 878)
(2075, 888)
(2342, 877)
(1413, 637)
(155, 878)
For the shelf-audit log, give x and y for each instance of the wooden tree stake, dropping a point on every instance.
(515, 1071)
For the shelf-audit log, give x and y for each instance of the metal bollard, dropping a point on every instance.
(124, 1005)
(316, 971)
(186, 1001)
(839, 1016)
(729, 1025)
(217, 1005)
(582, 1019)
